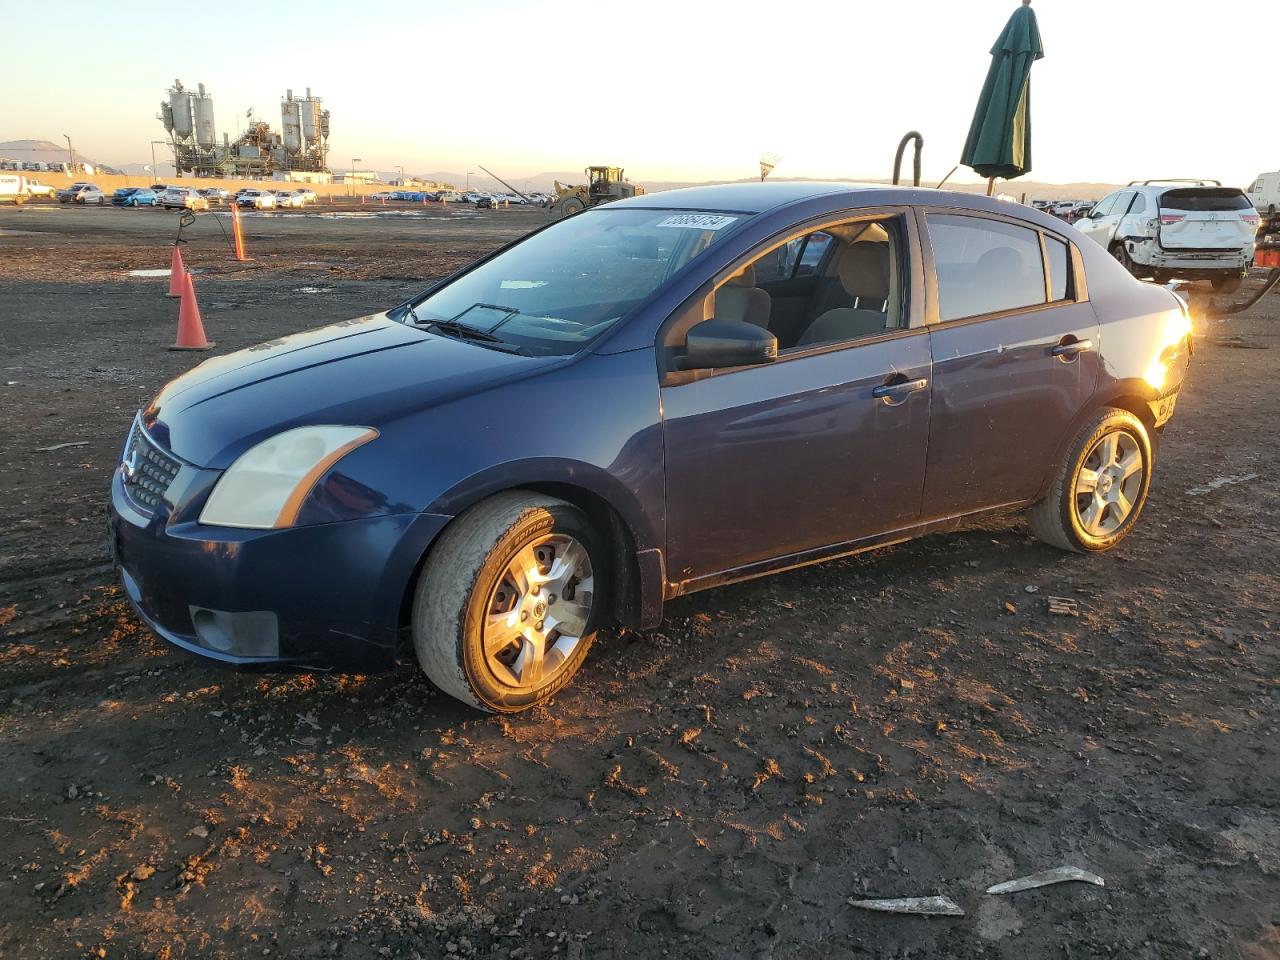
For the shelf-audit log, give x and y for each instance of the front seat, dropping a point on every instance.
(863, 269)
(741, 299)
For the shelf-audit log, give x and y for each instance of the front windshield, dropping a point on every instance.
(563, 287)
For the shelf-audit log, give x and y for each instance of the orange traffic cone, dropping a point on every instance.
(177, 274)
(190, 328)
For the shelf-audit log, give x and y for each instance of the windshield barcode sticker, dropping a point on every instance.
(698, 221)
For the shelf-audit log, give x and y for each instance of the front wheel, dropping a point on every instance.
(1101, 486)
(509, 601)
(1122, 257)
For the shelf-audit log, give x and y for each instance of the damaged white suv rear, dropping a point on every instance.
(1177, 230)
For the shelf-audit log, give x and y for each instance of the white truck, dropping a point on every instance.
(1265, 197)
(13, 189)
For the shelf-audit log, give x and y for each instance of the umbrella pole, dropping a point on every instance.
(991, 186)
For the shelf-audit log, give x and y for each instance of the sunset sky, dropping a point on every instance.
(688, 90)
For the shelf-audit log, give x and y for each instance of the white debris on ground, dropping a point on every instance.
(1218, 483)
(922, 906)
(1045, 878)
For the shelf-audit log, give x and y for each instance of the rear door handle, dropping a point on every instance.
(899, 389)
(1072, 348)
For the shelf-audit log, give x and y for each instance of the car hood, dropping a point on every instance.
(362, 372)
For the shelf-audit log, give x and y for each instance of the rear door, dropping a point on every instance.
(1014, 359)
(1205, 218)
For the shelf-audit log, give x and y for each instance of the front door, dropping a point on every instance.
(823, 446)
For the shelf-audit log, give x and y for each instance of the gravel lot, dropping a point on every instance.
(905, 723)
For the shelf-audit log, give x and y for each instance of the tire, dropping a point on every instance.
(571, 206)
(1086, 522)
(1122, 257)
(1227, 284)
(467, 580)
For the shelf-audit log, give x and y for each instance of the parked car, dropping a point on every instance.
(143, 197)
(307, 194)
(1081, 208)
(216, 196)
(256, 199)
(37, 189)
(121, 195)
(1183, 230)
(85, 193)
(484, 203)
(285, 198)
(382, 195)
(183, 198)
(876, 396)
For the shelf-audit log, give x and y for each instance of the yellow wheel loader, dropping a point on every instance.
(603, 184)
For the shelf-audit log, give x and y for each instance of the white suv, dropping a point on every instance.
(1177, 229)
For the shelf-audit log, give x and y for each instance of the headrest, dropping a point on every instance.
(746, 277)
(863, 269)
(1004, 260)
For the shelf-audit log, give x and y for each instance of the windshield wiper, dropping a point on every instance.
(453, 328)
(461, 330)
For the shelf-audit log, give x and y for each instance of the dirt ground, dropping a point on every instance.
(905, 723)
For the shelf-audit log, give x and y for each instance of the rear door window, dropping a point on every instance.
(985, 266)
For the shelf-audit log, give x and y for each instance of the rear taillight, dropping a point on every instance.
(1171, 218)
(1250, 218)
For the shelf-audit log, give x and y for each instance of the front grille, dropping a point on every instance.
(148, 470)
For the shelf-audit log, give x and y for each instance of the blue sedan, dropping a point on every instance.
(144, 197)
(647, 399)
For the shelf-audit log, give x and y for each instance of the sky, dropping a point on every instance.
(669, 89)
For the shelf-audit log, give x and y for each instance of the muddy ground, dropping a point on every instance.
(908, 722)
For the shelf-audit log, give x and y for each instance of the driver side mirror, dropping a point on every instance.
(714, 344)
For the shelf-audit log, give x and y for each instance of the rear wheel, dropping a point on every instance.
(1101, 486)
(509, 600)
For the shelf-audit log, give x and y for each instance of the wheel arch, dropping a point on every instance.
(636, 569)
(1133, 395)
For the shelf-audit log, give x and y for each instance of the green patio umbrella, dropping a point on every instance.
(999, 143)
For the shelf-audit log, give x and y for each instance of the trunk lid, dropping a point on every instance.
(1206, 218)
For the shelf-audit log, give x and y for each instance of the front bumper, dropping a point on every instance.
(320, 597)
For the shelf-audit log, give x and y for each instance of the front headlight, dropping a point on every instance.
(267, 485)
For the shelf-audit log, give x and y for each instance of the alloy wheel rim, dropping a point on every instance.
(538, 611)
(1108, 484)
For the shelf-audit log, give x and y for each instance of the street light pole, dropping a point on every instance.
(354, 161)
(155, 167)
(469, 179)
(71, 154)
(400, 167)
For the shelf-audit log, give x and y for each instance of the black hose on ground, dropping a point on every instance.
(1272, 280)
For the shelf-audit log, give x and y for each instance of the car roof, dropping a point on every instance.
(756, 198)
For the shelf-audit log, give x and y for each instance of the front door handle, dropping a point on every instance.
(1070, 348)
(898, 390)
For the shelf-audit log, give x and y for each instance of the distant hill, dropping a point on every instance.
(44, 151)
(544, 182)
